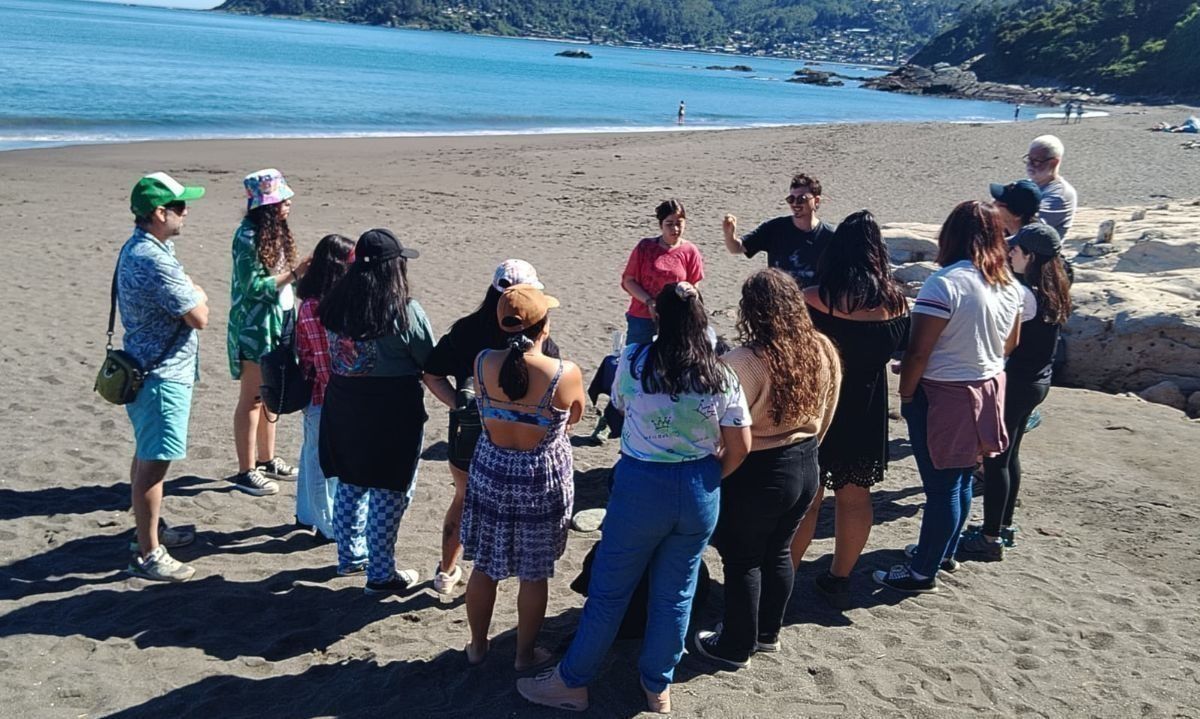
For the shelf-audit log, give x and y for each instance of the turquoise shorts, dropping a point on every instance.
(160, 420)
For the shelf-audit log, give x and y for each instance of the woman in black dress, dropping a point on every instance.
(860, 306)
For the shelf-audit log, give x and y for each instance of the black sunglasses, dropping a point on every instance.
(793, 199)
(176, 207)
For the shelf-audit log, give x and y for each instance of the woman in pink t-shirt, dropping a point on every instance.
(655, 263)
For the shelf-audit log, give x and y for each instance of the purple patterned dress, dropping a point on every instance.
(518, 503)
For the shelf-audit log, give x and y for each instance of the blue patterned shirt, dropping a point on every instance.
(153, 293)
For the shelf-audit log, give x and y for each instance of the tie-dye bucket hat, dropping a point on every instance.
(266, 187)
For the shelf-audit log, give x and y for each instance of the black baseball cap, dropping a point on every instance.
(380, 245)
(1023, 197)
(1038, 238)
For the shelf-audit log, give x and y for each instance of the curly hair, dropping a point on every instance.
(272, 237)
(773, 321)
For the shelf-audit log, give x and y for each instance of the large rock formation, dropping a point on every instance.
(1136, 322)
(957, 81)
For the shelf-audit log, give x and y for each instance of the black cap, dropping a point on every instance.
(1038, 238)
(380, 245)
(1023, 197)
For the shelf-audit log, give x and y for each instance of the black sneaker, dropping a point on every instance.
(706, 645)
(255, 482)
(1008, 535)
(950, 565)
(277, 468)
(401, 582)
(901, 579)
(836, 590)
(974, 545)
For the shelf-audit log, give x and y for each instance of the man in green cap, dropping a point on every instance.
(161, 310)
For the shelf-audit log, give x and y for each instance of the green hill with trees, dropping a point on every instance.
(781, 27)
(1146, 48)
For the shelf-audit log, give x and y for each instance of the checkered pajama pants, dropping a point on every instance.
(365, 524)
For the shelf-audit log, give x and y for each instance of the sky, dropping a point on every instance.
(191, 4)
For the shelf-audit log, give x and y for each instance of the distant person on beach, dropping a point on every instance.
(654, 263)
(161, 310)
(454, 358)
(521, 489)
(1043, 163)
(792, 242)
(687, 425)
(1018, 203)
(261, 300)
(682, 111)
(314, 491)
(373, 418)
(1078, 112)
(790, 374)
(1036, 257)
(966, 320)
(1017, 112)
(859, 305)
(1067, 111)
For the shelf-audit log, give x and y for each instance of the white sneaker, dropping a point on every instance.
(160, 566)
(444, 583)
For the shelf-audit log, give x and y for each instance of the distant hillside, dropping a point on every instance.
(1132, 47)
(862, 30)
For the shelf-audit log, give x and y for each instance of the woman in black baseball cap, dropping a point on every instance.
(1036, 257)
(373, 419)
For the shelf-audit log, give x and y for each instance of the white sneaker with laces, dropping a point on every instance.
(444, 583)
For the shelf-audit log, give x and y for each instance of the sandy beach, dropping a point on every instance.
(1094, 615)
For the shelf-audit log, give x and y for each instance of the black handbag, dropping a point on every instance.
(284, 387)
(121, 376)
(466, 425)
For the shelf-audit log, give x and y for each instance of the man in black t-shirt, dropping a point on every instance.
(792, 242)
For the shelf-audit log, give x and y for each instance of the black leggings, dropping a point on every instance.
(1002, 473)
(762, 504)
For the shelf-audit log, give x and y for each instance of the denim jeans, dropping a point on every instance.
(639, 330)
(314, 491)
(660, 515)
(947, 494)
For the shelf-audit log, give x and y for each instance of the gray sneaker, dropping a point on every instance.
(160, 567)
(255, 482)
(168, 536)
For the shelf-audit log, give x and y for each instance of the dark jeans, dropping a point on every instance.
(947, 494)
(1002, 473)
(762, 503)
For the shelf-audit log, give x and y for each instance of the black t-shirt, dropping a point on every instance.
(788, 248)
(455, 353)
(1033, 359)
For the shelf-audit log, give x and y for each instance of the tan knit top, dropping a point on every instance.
(756, 384)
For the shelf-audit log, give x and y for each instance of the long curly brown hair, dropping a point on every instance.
(773, 321)
(273, 237)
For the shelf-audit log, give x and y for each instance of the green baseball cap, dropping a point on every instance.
(158, 189)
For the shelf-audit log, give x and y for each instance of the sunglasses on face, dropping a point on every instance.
(798, 199)
(1036, 162)
(176, 207)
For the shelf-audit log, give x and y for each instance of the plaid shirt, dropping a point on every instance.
(312, 347)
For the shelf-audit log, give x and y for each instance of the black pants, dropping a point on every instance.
(762, 504)
(1002, 473)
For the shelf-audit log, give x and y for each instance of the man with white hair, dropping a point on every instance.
(1042, 164)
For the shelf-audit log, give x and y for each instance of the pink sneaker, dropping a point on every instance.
(549, 690)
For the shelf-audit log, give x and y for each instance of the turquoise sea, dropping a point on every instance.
(78, 72)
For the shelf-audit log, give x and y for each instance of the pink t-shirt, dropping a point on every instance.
(654, 267)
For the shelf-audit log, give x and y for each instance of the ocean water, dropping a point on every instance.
(81, 72)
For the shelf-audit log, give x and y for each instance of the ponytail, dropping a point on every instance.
(514, 373)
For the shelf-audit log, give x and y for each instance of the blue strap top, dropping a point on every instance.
(543, 414)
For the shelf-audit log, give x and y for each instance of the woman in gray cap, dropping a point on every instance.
(1036, 257)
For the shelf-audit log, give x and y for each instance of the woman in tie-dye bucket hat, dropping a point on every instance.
(264, 269)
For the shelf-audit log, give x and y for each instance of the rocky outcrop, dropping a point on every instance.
(577, 54)
(1136, 321)
(815, 77)
(734, 68)
(956, 81)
